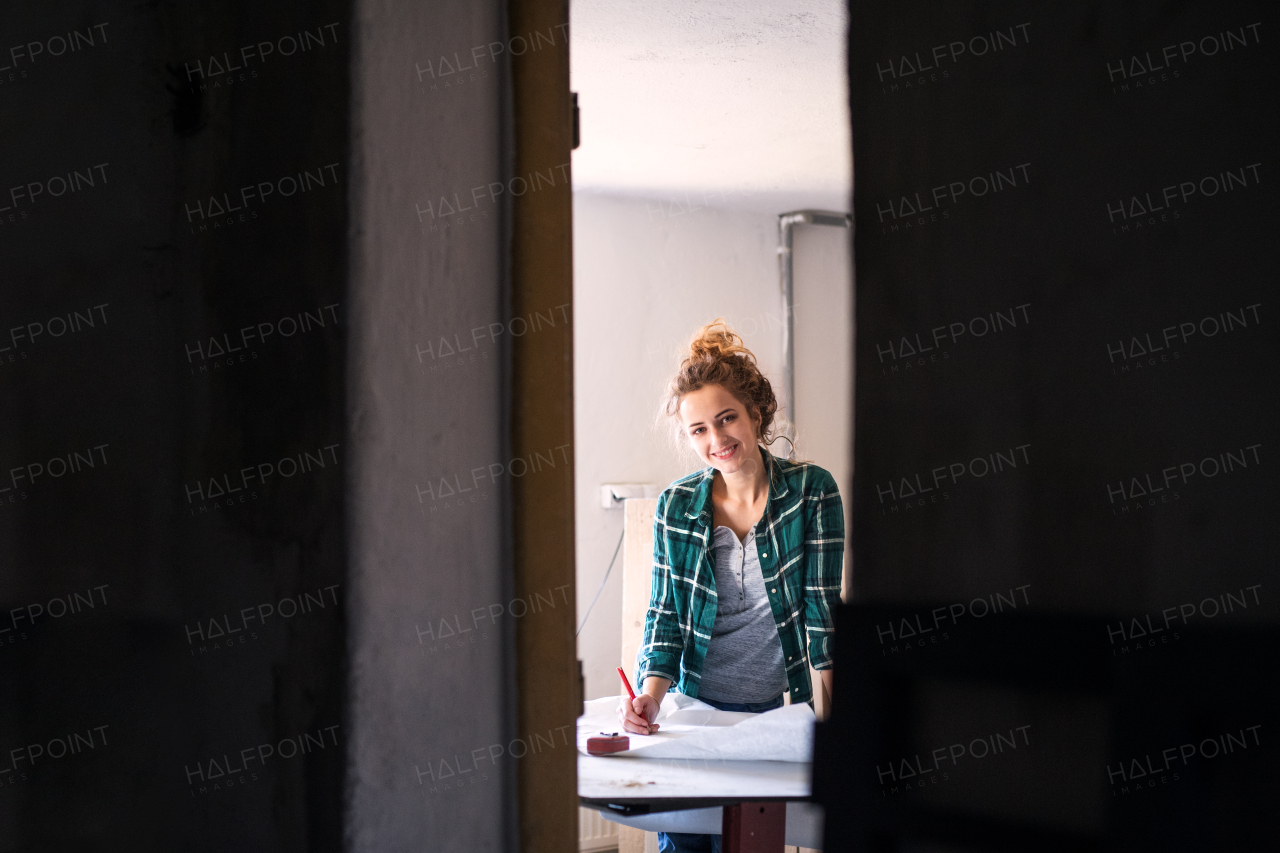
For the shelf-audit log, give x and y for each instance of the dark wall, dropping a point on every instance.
(175, 314)
(257, 317)
(1065, 392)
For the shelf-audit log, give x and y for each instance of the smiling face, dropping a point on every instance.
(720, 428)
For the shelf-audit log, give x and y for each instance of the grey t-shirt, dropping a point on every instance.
(744, 658)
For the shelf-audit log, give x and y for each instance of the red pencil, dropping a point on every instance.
(627, 684)
(632, 693)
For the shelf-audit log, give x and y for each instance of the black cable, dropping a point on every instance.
(602, 583)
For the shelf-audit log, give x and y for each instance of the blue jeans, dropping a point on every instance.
(691, 842)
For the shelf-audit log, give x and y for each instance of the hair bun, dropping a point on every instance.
(716, 341)
(717, 356)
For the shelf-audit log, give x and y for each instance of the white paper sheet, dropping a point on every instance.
(693, 729)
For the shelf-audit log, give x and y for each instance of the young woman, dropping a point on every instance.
(747, 554)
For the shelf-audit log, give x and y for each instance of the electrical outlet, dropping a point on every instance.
(613, 495)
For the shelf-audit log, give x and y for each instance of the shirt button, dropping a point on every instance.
(765, 554)
(773, 590)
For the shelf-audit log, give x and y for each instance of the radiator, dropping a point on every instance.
(595, 833)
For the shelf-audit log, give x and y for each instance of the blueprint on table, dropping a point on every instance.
(694, 729)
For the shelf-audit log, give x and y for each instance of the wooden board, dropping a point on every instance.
(547, 687)
(637, 572)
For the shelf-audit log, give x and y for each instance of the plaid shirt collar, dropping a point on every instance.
(700, 503)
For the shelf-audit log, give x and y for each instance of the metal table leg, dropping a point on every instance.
(754, 828)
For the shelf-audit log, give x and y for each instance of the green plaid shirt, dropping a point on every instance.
(800, 540)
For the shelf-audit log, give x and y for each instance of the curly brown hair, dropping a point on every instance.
(717, 356)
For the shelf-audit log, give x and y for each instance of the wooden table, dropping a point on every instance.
(752, 794)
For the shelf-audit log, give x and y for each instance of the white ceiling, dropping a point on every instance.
(741, 102)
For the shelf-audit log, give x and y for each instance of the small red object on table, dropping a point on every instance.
(607, 742)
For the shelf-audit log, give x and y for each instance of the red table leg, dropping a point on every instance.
(754, 828)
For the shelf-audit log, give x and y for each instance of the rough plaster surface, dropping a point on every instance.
(419, 559)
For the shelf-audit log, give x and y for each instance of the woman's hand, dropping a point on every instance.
(637, 715)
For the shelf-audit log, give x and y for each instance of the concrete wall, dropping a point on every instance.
(431, 718)
(225, 605)
(648, 273)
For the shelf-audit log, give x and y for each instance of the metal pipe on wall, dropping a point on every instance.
(787, 221)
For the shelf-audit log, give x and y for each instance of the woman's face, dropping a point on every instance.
(720, 429)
